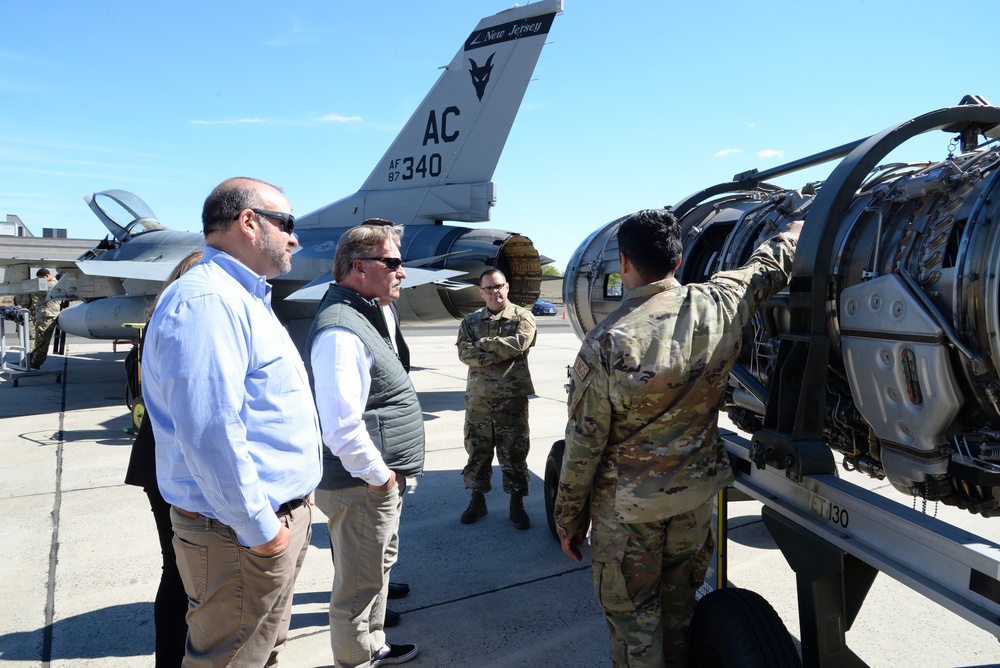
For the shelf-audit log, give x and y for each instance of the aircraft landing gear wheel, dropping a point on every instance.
(138, 413)
(737, 628)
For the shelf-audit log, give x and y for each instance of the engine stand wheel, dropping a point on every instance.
(737, 628)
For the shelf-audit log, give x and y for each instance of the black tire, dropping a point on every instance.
(552, 465)
(133, 388)
(737, 628)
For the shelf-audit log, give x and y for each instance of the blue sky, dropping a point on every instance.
(635, 103)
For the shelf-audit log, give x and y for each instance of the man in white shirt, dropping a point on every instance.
(373, 431)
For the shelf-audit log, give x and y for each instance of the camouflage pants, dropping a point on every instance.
(501, 425)
(646, 576)
(44, 327)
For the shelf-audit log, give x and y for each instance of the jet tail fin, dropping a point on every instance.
(440, 165)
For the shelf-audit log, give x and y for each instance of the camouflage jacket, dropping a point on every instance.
(46, 309)
(646, 388)
(28, 301)
(498, 366)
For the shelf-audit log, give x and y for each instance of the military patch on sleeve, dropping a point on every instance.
(580, 380)
(580, 367)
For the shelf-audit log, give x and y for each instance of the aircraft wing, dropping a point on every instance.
(413, 264)
(316, 289)
(144, 271)
(20, 257)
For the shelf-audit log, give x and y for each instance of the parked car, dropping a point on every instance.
(543, 307)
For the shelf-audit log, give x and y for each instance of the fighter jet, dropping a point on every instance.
(438, 169)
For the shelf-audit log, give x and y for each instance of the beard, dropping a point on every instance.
(273, 247)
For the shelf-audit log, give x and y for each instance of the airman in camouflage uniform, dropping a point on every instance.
(642, 435)
(494, 343)
(28, 301)
(46, 312)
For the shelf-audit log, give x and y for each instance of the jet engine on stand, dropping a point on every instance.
(885, 346)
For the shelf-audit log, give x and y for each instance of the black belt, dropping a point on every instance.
(287, 507)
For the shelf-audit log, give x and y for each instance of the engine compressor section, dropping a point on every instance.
(884, 348)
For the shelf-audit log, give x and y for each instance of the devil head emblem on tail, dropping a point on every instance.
(481, 75)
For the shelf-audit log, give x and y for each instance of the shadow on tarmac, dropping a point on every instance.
(103, 373)
(446, 562)
(434, 401)
(92, 635)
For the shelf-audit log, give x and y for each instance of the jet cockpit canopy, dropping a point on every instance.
(124, 214)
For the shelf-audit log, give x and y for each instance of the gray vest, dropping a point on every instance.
(392, 414)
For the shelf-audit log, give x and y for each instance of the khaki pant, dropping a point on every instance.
(364, 541)
(240, 602)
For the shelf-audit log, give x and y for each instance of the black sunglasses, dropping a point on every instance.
(287, 219)
(392, 263)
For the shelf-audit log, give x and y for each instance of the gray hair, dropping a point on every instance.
(362, 241)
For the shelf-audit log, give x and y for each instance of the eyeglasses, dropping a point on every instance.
(391, 263)
(287, 219)
(493, 288)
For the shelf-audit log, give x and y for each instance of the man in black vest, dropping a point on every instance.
(373, 431)
(396, 589)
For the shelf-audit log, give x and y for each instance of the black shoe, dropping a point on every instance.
(393, 654)
(398, 589)
(391, 619)
(517, 514)
(476, 509)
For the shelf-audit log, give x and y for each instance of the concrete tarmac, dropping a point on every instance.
(83, 560)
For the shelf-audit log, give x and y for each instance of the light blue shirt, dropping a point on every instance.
(234, 419)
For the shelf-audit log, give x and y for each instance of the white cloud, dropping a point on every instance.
(37, 146)
(728, 151)
(231, 121)
(770, 153)
(328, 118)
(337, 118)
